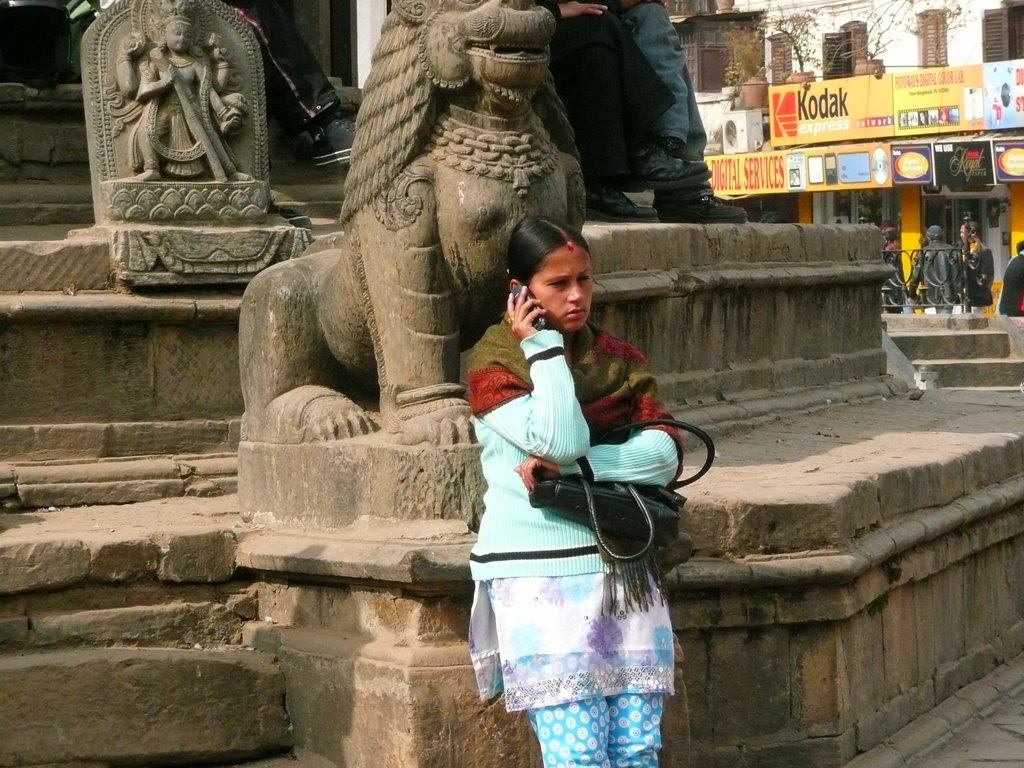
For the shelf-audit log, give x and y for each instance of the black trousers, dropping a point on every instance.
(298, 91)
(611, 93)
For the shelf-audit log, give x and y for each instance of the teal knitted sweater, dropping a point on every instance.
(517, 540)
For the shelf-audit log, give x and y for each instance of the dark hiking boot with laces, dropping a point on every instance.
(605, 203)
(651, 167)
(706, 209)
(677, 148)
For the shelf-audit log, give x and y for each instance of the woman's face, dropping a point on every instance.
(564, 287)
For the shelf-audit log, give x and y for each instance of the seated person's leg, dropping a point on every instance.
(612, 97)
(680, 129)
(596, 117)
(299, 95)
(658, 40)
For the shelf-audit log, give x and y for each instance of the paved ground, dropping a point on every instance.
(996, 740)
(981, 726)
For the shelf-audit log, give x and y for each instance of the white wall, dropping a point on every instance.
(897, 16)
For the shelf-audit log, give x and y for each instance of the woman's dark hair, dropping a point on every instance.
(534, 238)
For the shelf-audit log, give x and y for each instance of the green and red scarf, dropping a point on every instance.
(614, 384)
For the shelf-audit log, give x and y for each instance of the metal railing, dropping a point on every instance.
(920, 281)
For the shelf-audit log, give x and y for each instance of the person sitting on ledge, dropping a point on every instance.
(619, 71)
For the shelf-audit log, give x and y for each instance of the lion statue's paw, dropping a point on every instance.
(440, 422)
(312, 414)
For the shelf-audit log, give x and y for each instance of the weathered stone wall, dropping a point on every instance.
(855, 566)
(739, 322)
(73, 366)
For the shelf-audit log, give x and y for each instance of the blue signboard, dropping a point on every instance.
(1004, 94)
(912, 164)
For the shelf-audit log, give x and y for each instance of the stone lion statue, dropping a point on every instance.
(459, 136)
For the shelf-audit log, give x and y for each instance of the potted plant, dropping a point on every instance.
(799, 29)
(746, 69)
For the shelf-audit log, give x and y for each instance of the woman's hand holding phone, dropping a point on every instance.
(524, 313)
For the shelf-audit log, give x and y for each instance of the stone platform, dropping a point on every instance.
(856, 565)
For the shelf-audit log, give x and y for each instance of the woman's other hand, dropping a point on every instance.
(535, 468)
(573, 8)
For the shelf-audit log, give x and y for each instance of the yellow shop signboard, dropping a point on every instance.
(754, 173)
(939, 100)
(842, 109)
(824, 169)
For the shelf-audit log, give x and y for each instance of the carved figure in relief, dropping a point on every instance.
(459, 137)
(187, 108)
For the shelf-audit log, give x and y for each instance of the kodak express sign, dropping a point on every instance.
(845, 109)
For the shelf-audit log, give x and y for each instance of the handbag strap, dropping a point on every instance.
(703, 436)
(592, 511)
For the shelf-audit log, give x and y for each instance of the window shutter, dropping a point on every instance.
(712, 66)
(931, 27)
(835, 55)
(857, 35)
(995, 38)
(781, 58)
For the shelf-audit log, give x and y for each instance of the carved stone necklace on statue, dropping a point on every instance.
(521, 157)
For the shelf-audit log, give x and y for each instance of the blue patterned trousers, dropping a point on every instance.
(621, 731)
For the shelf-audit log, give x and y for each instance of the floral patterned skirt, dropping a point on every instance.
(545, 641)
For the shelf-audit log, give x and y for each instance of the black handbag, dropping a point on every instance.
(647, 514)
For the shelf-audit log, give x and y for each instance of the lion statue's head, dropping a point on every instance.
(491, 53)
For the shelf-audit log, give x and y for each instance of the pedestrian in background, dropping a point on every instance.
(1011, 300)
(980, 272)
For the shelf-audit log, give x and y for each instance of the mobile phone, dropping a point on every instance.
(539, 323)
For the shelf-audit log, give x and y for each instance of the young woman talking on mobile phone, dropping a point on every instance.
(587, 654)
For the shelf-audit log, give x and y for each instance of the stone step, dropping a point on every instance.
(982, 372)
(187, 544)
(297, 759)
(957, 322)
(952, 344)
(185, 625)
(99, 358)
(33, 485)
(73, 259)
(140, 706)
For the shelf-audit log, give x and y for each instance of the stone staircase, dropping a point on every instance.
(961, 351)
(120, 640)
(108, 396)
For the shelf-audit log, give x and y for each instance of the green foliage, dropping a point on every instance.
(746, 44)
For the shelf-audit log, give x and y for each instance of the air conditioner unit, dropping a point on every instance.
(742, 131)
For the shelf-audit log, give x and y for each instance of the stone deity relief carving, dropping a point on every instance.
(176, 116)
(176, 113)
(459, 136)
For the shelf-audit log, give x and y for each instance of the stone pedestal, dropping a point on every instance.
(183, 255)
(329, 485)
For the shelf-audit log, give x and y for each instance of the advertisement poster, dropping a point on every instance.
(851, 166)
(939, 100)
(962, 165)
(841, 109)
(1004, 94)
(912, 164)
(1009, 157)
(755, 173)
